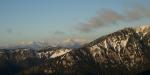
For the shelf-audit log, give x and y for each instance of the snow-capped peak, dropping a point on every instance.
(143, 30)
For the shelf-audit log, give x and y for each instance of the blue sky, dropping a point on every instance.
(33, 20)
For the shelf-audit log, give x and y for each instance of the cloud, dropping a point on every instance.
(105, 17)
(59, 33)
(9, 30)
(73, 42)
(137, 12)
(109, 16)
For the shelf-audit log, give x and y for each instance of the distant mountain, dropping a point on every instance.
(125, 52)
(67, 43)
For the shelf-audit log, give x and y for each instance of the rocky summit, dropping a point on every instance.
(124, 52)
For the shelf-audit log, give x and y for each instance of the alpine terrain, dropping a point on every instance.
(124, 52)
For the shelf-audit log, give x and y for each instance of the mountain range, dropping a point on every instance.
(124, 52)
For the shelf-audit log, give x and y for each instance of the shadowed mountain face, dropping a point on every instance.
(125, 52)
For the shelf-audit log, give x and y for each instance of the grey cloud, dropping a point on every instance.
(9, 30)
(109, 16)
(59, 33)
(137, 12)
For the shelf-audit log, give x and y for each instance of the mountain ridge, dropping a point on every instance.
(123, 52)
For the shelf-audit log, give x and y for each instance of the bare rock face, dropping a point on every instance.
(146, 44)
(120, 48)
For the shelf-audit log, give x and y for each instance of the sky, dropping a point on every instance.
(54, 20)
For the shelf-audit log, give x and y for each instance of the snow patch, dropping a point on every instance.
(61, 52)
